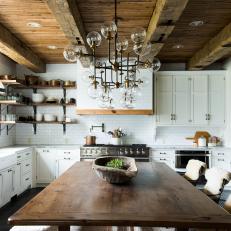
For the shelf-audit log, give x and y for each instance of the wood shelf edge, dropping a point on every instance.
(114, 112)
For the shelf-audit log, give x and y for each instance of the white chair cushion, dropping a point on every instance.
(193, 169)
(215, 180)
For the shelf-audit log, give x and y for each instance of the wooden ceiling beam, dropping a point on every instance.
(216, 48)
(15, 49)
(165, 15)
(68, 16)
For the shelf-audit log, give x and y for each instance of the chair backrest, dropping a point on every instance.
(227, 204)
(216, 180)
(195, 169)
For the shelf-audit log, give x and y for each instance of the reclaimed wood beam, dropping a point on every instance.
(216, 48)
(165, 15)
(15, 49)
(68, 16)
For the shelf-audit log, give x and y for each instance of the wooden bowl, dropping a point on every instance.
(114, 175)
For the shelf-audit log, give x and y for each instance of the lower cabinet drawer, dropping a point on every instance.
(26, 181)
(165, 160)
(26, 166)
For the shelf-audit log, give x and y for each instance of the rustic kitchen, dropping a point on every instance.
(115, 115)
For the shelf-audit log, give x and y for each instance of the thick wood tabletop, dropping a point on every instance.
(157, 197)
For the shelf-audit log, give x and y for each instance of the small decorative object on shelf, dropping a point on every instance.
(114, 169)
(116, 136)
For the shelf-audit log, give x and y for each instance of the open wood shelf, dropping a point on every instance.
(21, 86)
(44, 122)
(7, 122)
(12, 102)
(114, 112)
(15, 103)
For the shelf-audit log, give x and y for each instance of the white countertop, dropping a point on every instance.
(186, 147)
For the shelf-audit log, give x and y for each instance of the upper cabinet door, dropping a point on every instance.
(181, 100)
(164, 103)
(216, 100)
(199, 102)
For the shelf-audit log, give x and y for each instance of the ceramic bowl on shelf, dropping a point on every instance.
(49, 118)
(39, 117)
(38, 98)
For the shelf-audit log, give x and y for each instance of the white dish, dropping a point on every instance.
(60, 118)
(49, 118)
(39, 117)
(38, 98)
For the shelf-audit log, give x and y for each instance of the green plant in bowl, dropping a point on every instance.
(115, 163)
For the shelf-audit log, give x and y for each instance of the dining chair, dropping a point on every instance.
(194, 170)
(216, 178)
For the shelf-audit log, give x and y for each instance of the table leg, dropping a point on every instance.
(63, 228)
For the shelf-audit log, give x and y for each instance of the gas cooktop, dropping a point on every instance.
(138, 151)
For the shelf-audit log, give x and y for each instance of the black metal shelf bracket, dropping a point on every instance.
(34, 124)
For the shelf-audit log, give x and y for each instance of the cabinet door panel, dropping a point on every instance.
(164, 99)
(217, 100)
(200, 99)
(17, 179)
(63, 165)
(8, 185)
(45, 167)
(181, 102)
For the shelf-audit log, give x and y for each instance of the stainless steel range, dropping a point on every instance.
(138, 151)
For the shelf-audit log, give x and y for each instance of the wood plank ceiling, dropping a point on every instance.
(215, 14)
(131, 14)
(15, 14)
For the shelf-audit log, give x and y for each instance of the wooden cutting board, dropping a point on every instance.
(198, 134)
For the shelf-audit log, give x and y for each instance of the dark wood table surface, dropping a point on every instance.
(157, 197)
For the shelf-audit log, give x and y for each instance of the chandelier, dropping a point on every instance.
(115, 82)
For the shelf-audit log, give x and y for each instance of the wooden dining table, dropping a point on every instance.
(156, 197)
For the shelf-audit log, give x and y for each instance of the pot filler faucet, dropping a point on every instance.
(98, 126)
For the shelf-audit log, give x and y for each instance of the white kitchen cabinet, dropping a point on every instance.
(216, 100)
(222, 159)
(1, 190)
(181, 100)
(190, 98)
(62, 165)
(18, 179)
(164, 156)
(164, 105)
(199, 101)
(65, 159)
(45, 165)
(8, 184)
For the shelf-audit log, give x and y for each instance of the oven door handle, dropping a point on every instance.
(194, 155)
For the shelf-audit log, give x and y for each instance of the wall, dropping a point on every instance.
(7, 66)
(139, 129)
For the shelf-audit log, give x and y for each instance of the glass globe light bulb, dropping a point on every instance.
(93, 39)
(138, 35)
(109, 30)
(137, 48)
(92, 91)
(146, 49)
(122, 45)
(136, 90)
(156, 64)
(70, 53)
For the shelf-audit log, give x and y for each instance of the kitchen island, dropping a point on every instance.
(157, 197)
